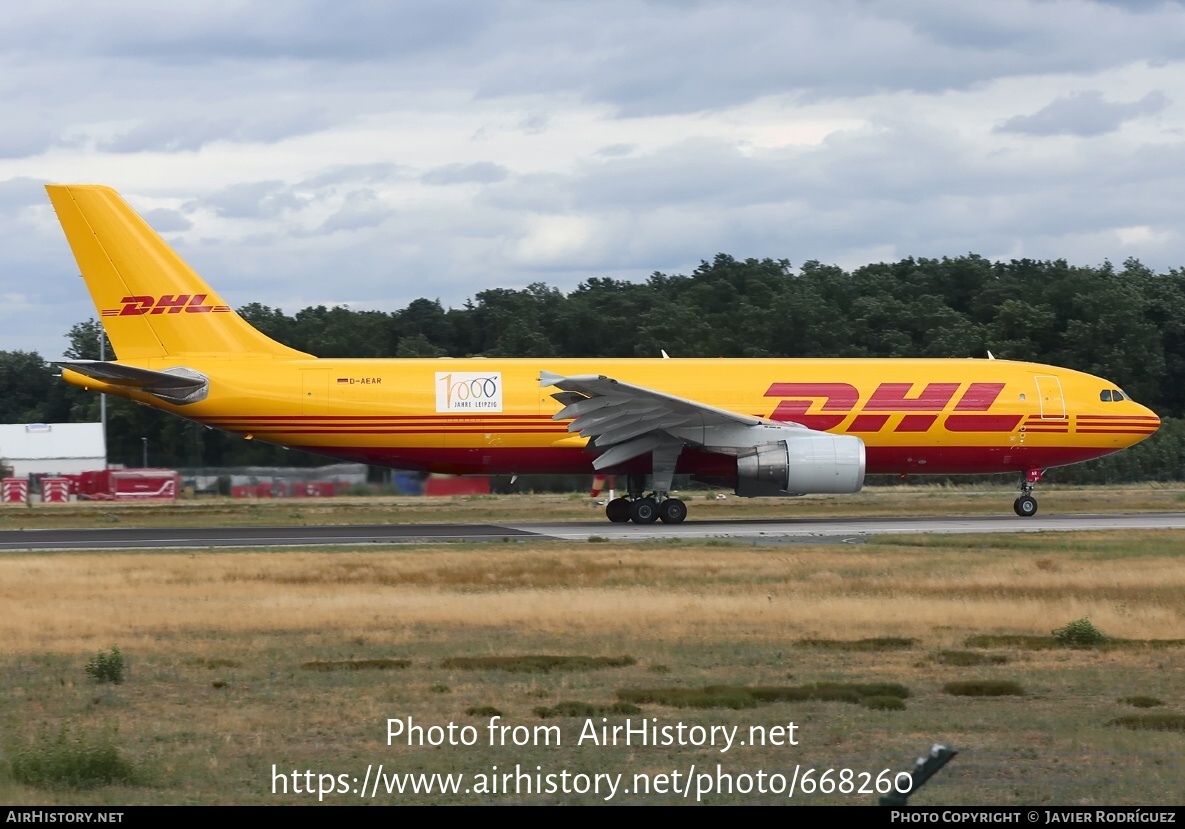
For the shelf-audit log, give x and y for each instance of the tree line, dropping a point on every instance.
(1124, 324)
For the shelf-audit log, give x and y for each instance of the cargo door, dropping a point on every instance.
(1049, 397)
(315, 397)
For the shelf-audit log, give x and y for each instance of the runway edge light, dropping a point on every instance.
(924, 768)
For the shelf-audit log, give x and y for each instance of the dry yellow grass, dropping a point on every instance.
(215, 641)
(63, 602)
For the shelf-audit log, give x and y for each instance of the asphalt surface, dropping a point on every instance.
(777, 531)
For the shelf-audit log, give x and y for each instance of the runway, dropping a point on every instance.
(817, 530)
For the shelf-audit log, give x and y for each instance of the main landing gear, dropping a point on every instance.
(1026, 505)
(645, 509)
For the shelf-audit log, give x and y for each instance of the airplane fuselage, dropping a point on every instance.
(490, 416)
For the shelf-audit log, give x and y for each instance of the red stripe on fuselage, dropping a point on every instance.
(895, 460)
(981, 423)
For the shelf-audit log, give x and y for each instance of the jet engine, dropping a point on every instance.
(802, 464)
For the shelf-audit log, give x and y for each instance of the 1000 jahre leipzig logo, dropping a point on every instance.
(135, 306)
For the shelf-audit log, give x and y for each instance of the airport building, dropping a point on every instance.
(52, 448)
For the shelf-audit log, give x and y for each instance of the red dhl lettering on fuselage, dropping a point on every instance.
(921, 411)
(135, 306)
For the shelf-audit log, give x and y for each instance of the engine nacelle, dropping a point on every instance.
(816, 462)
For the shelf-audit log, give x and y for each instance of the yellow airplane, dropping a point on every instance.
(762, 426)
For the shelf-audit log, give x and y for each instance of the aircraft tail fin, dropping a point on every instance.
(151, 303)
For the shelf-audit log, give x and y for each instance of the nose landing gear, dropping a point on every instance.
(1026, 505)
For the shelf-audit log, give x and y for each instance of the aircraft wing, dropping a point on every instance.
(626, 421)
(176, 385)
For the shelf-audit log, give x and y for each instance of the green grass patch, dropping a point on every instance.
(575, 708)
(71, 761)
(1080, 633)
(884, 703)
(1030, 642)
(538, 664)
(212, 664)
(357, 665)
(713, 696)
(1151, 722)
(1142, 702)
(877, 643)
(984, 688)
(750, 696)
(483, 711)
(1020, 641)
(969, 659)
(106, 667)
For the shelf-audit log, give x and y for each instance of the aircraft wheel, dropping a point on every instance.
(672, 511)
(618, 510)
(1025, 506)
(644, 511)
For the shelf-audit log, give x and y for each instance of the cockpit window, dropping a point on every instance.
(1105, 395)
(1116, 394)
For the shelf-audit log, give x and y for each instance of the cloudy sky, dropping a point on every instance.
(369, 153)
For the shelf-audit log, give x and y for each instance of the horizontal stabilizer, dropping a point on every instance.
(175, 385)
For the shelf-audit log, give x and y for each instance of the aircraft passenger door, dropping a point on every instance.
(315, 391)
(1049, 397)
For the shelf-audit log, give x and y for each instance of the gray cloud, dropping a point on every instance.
(639, 58)
(250, 200)
(481, 172)
(615, 150)
(342, 174)
(1084, 114)
(21, 192)
(323, 30)
(17, 141)
(164, 220)
(362, 209)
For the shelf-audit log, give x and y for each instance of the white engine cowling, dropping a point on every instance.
(804, 464)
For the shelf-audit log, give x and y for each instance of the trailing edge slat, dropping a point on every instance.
(567, 398)
(605, 420)
(626, 451)
(613, 412)
(589, 427)
(609, 430)
(587, 404)
(625, 433)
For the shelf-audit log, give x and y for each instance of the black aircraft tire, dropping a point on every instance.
(672, 511)
(618, 510)
(644, 511)
(1025, 506)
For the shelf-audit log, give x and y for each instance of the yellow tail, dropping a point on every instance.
(150, 302)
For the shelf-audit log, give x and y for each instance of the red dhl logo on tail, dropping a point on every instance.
(135, 306)
(840, 399)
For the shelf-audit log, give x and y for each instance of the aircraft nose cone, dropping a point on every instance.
(1150, 421)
